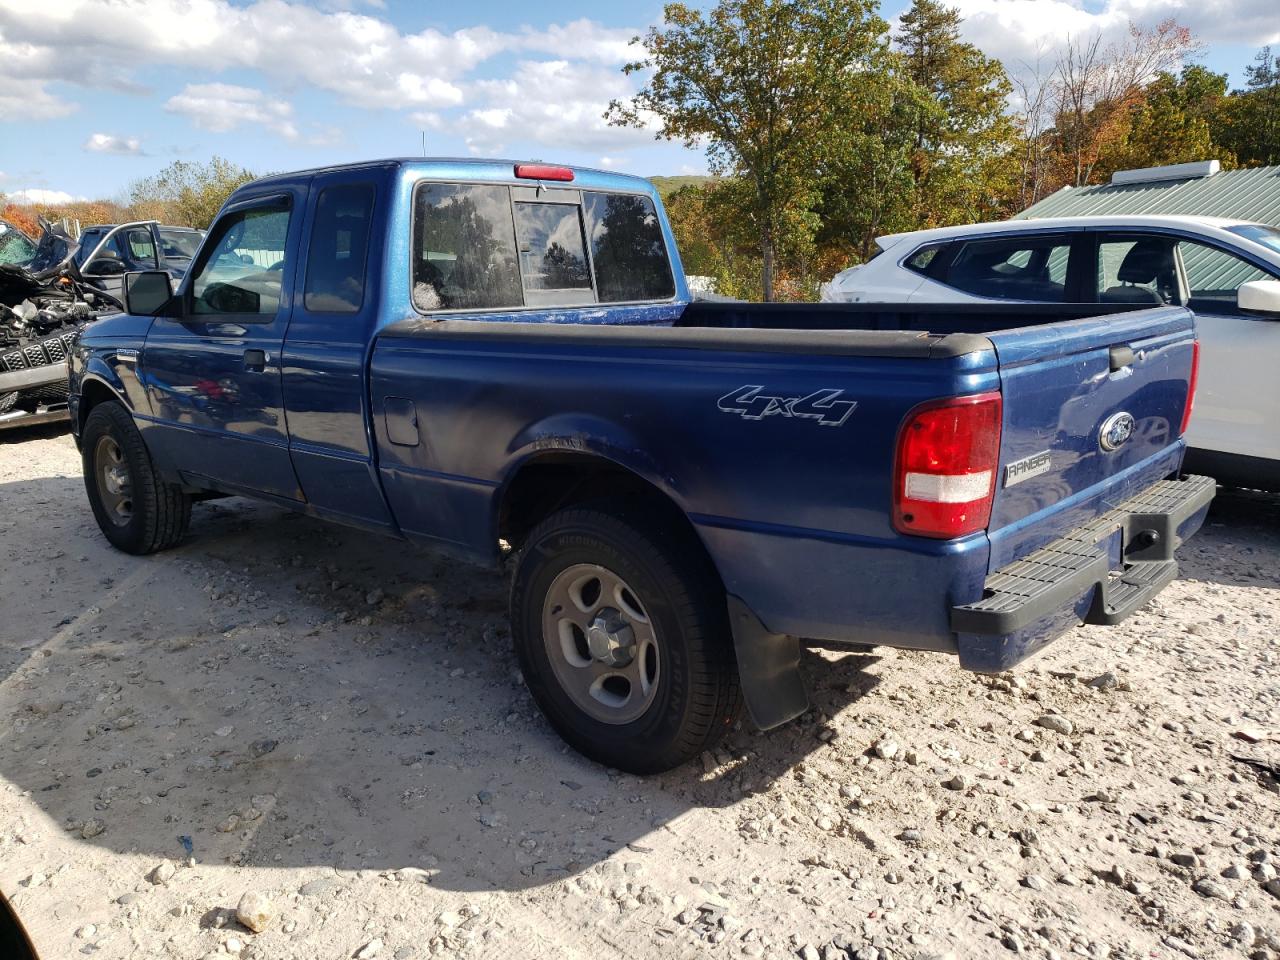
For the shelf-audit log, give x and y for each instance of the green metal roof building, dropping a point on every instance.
(1188, 189)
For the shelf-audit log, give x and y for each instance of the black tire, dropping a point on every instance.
(156, 513)
(695, 695)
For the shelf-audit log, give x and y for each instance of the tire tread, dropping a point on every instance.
(165, 509)
(696, 596)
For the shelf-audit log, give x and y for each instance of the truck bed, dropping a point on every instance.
(934, 318)
(703, 411)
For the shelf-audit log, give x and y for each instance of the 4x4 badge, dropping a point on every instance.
(825, 405)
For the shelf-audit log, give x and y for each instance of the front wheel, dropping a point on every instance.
(622, 634)
(136, 510)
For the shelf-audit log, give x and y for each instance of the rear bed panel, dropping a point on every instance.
(1059, 389)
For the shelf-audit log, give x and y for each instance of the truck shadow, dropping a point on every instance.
(1252, 521)
(278, 692)
(12, 436)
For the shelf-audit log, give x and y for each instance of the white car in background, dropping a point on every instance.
(1226, 271)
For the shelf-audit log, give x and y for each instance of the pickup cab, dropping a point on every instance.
(501, 362)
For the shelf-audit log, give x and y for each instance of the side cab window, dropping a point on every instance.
(338, 250)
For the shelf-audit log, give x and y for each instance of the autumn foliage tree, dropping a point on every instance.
(1096, 86)
(186, 193)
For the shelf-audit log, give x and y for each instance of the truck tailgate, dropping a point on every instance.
(1092, 413)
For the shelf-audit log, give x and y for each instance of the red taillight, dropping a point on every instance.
(945, 474)
(1191, 386)
(542, 171)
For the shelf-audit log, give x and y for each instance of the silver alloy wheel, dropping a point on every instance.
(112, 476)
(601, 643)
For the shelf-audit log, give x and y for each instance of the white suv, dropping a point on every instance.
(1197, 262)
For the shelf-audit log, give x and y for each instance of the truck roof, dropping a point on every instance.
(464, 168)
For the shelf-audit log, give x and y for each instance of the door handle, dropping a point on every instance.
(255, 361)
(1121, 357)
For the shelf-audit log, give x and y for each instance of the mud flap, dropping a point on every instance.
(769, 668)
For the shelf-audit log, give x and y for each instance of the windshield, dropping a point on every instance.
(1269, 237)
(180, 244)
(14, 246)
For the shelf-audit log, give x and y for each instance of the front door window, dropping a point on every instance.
(1214, 276)
(244, 270)
(1137, 270)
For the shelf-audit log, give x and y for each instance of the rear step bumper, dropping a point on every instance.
(1028, 602)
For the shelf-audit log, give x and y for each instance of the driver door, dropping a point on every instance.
(213, 373)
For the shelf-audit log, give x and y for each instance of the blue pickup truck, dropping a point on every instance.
(501, 361)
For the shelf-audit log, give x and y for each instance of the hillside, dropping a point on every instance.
(669, 185)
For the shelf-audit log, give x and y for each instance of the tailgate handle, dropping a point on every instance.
(1121, 357)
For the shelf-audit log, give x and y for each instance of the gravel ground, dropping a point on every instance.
(327, 731)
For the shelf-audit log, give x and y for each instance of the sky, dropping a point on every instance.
(95, 94)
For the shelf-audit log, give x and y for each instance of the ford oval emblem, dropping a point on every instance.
(1116, 431)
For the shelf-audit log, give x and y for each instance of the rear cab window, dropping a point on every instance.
(479, 246)
(141, 247)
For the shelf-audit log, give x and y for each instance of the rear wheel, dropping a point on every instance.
(621, 631)
(136, 510)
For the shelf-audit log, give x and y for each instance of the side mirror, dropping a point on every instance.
(1261, 298)
(146, 293)
(105, 267)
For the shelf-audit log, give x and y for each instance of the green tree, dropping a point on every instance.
(1249, 121)
(963, 161)
(869, 182)
(759, 82)
(1172, 123)
(187, 193)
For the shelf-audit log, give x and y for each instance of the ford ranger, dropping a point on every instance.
(501, 361)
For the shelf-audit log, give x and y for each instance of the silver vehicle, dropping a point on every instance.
(1225, 271)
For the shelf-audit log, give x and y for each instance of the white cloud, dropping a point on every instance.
(38, 195)
(426, 120)
(109, 143)
(362, 59)
(342, 48)
(1022, 31)
(555, 103)
(582, 40)
(24, 70)
(220, 107)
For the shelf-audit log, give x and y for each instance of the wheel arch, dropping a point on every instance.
(552, 480)
(93, 391)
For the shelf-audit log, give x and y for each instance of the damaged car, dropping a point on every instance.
(44, 302)
(15, 246)
(108, 251)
